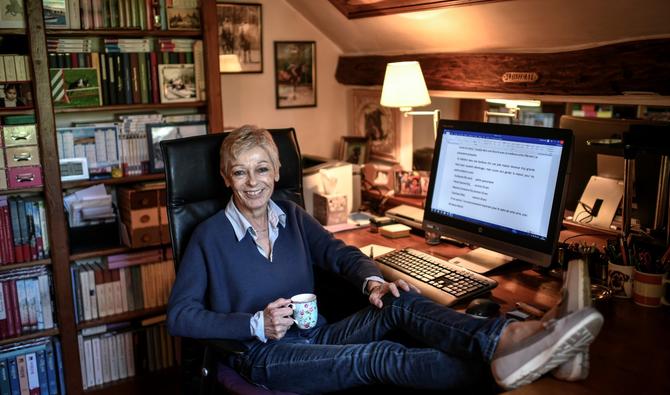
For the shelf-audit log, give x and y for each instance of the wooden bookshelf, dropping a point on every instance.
(21, 191)
(21, 111)
(111, 251)
(14, 32)
(60, 258)
(159, 382)
(24, 265)
(132, 107)
(124, 33)
(114, 181)
(30, 336)
(127, 316)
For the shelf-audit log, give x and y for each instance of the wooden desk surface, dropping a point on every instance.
(630, 356)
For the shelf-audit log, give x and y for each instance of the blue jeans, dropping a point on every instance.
(352, 352)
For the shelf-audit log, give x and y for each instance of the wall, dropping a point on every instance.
(250, 98)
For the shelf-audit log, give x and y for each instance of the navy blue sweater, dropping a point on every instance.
(221, 282)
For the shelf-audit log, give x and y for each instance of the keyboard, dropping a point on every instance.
(437, 279)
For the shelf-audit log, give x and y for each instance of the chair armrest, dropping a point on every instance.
(225, 346)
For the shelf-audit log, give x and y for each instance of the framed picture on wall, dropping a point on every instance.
(354, 149)
(295, 73)
(381, 125)
(240, 37)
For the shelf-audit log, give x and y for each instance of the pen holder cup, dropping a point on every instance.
(620, 280)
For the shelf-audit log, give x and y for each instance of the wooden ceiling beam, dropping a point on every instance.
(636, 66)
(353, 9)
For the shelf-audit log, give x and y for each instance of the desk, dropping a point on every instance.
(630, 356)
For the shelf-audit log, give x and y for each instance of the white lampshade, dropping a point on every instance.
(404, 86)
(229, 63)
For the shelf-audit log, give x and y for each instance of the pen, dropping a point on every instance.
(372, 254)
(532, 310)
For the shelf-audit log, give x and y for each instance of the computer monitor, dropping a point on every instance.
(500, 187)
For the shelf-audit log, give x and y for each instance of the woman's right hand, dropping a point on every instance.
(277, 318)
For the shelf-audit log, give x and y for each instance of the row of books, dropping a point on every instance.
(104, 288)
(123, 144)
(116, 351)
(32, 367)
(26, 302)
(14, 68)
(128, 73)
(23, 229)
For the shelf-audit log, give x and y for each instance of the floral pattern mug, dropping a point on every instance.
(305, 312)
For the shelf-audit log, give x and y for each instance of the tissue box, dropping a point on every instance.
(330, 209)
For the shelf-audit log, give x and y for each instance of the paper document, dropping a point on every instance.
(375, 250)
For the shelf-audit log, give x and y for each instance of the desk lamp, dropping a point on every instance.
(404, 88)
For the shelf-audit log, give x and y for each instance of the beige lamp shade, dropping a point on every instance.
(229, 63)
(404, 86)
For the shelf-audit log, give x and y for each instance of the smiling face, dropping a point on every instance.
(252, 177)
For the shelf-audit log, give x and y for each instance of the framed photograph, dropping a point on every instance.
(15, 95)
(157, 132)
(75, 87)
(73, 169)
(354, 149)
(240, 37)
(411, 183)
(12, 16)
(177, 83)
(381, 125)
(183, 18)
(295, 73)
(56, 14)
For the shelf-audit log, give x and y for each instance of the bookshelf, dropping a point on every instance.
(60, 260)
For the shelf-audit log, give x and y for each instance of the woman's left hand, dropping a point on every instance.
(377, 290)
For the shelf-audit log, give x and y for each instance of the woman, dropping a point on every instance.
(243, 264)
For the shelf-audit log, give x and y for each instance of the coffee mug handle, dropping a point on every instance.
(665, 284)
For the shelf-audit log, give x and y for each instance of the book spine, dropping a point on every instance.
(5, 387)
(23, 226)
(52, 372)
(47, 303)
(14, 381)
(42, 372)
(4, 314)
(59, 365)
(16, 230)
(33, 374)
(23, 305)
(23, 374)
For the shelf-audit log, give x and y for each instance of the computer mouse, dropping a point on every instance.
(483, 308)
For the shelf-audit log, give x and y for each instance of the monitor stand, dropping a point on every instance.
(481, 260)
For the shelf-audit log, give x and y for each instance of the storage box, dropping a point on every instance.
(25, 155)
(141, 221)
(330, 209)
(15, 135)
(24, 177)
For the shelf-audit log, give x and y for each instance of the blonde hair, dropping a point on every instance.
(243, 139)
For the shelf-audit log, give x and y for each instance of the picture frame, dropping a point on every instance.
(157, 132)
(20, 93)
(56, 14)
(411, 183)
(177, 83)
(381, 125)
(75, 87)
(73, 169)
(240, 31)
(295, 74)
(354, 149)
(183, 18)
(12, 16)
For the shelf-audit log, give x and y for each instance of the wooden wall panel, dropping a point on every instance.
(606, 70)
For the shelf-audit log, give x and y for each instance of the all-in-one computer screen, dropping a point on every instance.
(500, 187)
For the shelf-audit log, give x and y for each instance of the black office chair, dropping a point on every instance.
(195, 192)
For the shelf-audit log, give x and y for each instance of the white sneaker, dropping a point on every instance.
(538, 354)
(576, 295)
